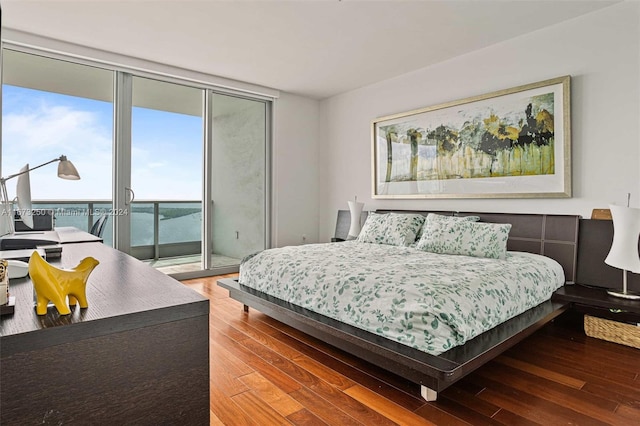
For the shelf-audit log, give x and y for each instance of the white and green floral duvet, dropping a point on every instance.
(428, 301)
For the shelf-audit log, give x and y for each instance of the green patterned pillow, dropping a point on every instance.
(443, 218)
(466, 238)
(396, 229)
(374, 228)
(402, 228)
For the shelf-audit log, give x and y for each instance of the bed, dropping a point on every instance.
(342, 293)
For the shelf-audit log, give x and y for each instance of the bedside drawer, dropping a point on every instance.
(610, 314)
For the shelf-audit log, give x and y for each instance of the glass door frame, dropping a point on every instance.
(122, 113)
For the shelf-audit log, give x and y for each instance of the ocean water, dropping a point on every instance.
(178, 223)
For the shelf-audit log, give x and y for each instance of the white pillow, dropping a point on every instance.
(398, 229)
(466, 238)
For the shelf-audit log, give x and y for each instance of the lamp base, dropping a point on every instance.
(632, 295)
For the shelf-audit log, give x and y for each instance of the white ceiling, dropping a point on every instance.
(311, 48)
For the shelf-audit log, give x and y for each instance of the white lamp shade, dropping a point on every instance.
(355, 209)
(626, 233)
(66, 170)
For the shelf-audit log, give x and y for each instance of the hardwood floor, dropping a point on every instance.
(266, 373)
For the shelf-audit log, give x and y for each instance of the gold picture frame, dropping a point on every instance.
(513, 143)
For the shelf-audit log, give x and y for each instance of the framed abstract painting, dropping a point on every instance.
(514, 143)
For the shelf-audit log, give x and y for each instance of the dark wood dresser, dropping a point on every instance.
(139, 354)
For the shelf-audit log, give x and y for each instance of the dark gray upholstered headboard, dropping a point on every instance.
(595, 240)
(554, 236)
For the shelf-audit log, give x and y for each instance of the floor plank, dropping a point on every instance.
(541, 372)
(575, 399)
(529, 404)
(227, 411)
(331, 376)
(264, 372)
(306, 418)
(260, 411)
(271, 394)
(323, 409)
(385, 407)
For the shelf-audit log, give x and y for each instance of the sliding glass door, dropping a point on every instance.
(238, 178)
(180, 170)
(166, 173)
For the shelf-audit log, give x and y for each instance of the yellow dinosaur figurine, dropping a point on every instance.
(54, 284)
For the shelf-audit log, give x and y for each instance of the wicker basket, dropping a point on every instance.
(613, 331)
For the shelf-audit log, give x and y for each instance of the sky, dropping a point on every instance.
(38, 126)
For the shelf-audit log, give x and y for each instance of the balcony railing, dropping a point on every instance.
(159, 229)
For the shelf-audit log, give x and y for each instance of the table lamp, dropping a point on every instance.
(66, 170)
(624, 249)
(355, 209)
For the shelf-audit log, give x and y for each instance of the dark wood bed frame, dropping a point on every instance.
(554, 236)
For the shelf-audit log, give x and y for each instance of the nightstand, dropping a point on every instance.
(596, 302)
(601, 310)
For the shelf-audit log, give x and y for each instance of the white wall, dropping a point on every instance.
(295, 170)
(601, 51)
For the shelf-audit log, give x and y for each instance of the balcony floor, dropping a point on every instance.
(180, 264)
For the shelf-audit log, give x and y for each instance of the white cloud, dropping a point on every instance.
(46, 132)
